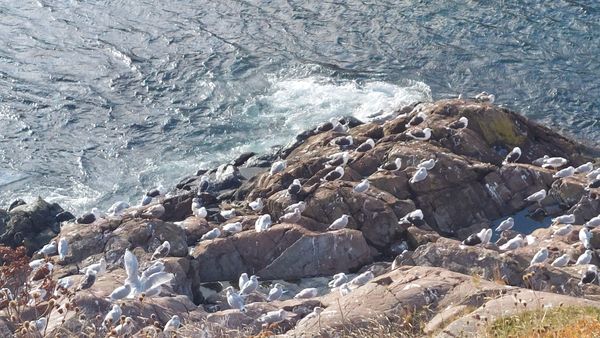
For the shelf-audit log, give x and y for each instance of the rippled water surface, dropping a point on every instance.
(101, 100)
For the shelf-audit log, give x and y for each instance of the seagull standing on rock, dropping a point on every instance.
(420, 175)
(564, 219)
(250, 286)
(242, 280)
(235, 300)
(585, 236)
(228, 214)
(366, 146)
(49, 249)
(307, 293)
(561, 261)
(263, 223)
(275, 293)
(584, 168)
(300, 205)
(507, 224)
(63, 248)
(567, 172)
(513, 156)
(173, 324)
(112, 316)
(393, 166)
(362, 279)
(256, 205)
(212, 234)
(539, 257)
(537, 197)
(339, 223)
(294, 187)
(338, 159)
(335, 174)
(162, 250)
(420, 135)
(277, 167)
(233, 228)
(416, 120)
(120, 292)
(462, 123)
(361, 187)
(585, 258)
(292, 217)
(513, 243)
(197, 209)
(272, 317)
(338, 280)
(554, 162)
(563, 231)
(592, 223)
(428, 164)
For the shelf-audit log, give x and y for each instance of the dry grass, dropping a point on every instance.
(563, 322)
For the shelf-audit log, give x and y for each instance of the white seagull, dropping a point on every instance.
(420, 175)
(277, 167)
(362, 186)
(506, 224)
(339, 223)
(263, 223)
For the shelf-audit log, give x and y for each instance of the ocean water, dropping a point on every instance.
(103, 100)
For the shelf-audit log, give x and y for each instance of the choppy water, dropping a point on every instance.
(101, 100)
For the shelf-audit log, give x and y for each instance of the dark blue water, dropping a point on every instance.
(101, 100)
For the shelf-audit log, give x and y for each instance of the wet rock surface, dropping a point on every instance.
(467, 188)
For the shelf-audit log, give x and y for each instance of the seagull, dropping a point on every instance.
(242, 280)
(124, 329)
(262, 223)
(112, 316)
(338, 159)
(420, 175)
(428, 164)
(99, 268)
(162, 250)
(561, 261)
(485, 97)
(593, 174)
(539, 257)
(339, 223)
(513, 243)
(204, 183)
(585, 258)
(394, 165)
(416, 120)
(63, 248)
(506, 224)
(88, 280)
(513, 156)
(362, 279)
(566, 172)
(64, 283)
(335, 174)
(300, 205)
(462, 123)
(250, 286)
(362, 186)
(36, 263)
(343, 141)
(120, 292)
(294, 187)
(233, 228)
(118, 208)
(173, 324)
(421, 135)
(49, 249)
(197, 209)
(275, 293)
(291, 217)
(256, 205)
(315, 313)
(235, 300)
(537, 197)
(485, 235)
(592, 223)
(277, 167)
(228, 214)
(414, 217)
(584, 168)
(338, 280)
(564, 219)
(307, 293)
(554, 162)
(344, 289)
(212, 234)
(585, 236)
(273, 316)
(157, 266)
(589, 276)
(366, 146)
(563, 231)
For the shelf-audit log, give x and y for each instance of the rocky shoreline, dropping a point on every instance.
(418, 264)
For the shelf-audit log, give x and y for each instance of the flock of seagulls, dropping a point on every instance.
(149, 281)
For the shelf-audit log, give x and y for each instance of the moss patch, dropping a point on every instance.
(564, 322)
(499, 128)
